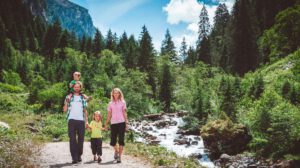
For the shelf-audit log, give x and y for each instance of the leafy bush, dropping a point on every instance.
(55, 126)
(53, 96)
(11, 78)
(13, 103)
(10, 88)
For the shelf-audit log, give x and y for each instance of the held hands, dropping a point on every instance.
(105, 127)
(127, 127)
(87, 125)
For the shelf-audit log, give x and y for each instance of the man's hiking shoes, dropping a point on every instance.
(99, 159)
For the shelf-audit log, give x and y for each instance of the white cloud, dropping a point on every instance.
(190, 40)
(182, 11)
(193, 27)
(188, 11)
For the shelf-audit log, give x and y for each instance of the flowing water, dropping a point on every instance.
(164, 132)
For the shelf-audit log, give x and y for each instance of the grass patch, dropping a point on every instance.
(159, 156)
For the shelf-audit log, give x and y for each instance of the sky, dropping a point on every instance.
(179, 16)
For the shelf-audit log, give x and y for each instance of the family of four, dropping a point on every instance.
(76, 107)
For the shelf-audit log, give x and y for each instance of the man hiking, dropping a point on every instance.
(76, 105)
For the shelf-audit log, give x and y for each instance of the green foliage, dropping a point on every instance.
(257, 88)
(166, 87)
(38, 83)
(53, 96)
(138, 99)
(55, 126)
(274, 124)
(282, 38)
(11, 78)
(160, 156)
(13, 103)
(10, 88)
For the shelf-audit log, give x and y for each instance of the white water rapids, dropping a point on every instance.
(167, 137)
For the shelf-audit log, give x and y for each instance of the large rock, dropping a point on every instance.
(223, 136)
(153, 117)
(4, 125)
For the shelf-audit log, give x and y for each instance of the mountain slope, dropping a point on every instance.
(72, 16)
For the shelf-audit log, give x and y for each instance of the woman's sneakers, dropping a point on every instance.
(119, 159)
(116, 156)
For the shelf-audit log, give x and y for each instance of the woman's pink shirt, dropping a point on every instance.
(117, 108)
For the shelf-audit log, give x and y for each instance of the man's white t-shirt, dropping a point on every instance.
(76, 109)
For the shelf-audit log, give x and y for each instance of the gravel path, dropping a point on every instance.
(58, 155)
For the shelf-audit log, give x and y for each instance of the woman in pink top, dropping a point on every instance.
(117, 116)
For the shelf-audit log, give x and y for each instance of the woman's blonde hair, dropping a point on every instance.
(95, 113)
(121, 96)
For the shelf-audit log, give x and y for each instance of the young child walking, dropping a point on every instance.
(76, 77)
(95, 127)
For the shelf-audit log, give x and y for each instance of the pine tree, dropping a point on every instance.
(130, 59)
(204, 51)
(183, 51)
(33, 44)
(217, 37)
(98, 43)
(2, 41)
(198, 105)
(168, 48)
(111, 44)
(191, 56)
(243, 50)
(83, 43)
(40, 30)
(89, 47)
(166, 88)
(52, 39)
(64, 42)
(146, 59)
(123, 45)
(74, 43)
(228, 103)
(203, 48)
(204, 25)
(9, 56)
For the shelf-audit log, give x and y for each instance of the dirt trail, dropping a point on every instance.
(58, 155)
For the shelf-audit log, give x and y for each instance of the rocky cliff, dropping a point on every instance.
(72, 16)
